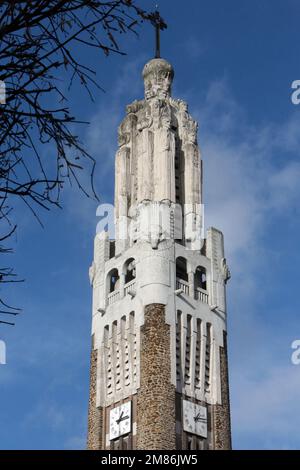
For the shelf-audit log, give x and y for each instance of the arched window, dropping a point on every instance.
(129, 270)
(200, 278)
(113, 280)
(181, 269)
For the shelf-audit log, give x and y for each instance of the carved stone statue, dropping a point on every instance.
(144, 117)
(135, 106)
(191, 131)
(124, 131)
(225, 270)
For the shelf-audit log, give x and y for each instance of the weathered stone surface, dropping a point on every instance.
(221, 413)
(158, 75)
(95, 415)
(156, 396)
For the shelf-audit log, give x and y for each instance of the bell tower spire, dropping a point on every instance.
(159, 376)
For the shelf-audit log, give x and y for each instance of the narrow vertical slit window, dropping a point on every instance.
(187, 372)
(198, 356)
(108, 361)
(178, 350)
(208, 359)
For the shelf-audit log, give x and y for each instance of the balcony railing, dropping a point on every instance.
(113, 297)
(181, 284)
(129, 287)
(201, 295)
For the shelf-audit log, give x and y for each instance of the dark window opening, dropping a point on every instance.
(130, 270)
(112, 249)
(200, 278)
(113, 280)
(181, 269)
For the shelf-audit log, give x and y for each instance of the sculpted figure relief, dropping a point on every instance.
(225, 270)
(191, 131)
(144, 117)
(124, 130)
(158, 85)
(165, 115)
(187, 126)
(135, 106)
(155, 108)
(161, 114)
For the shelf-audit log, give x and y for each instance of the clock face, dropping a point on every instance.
(120, 421)
(194, 418)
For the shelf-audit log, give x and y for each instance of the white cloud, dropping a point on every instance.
(242, 179)
(101, 141)
(251, 179)
(101, 137)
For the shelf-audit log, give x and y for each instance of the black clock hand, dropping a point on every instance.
(123, 418)
(120, 418)
(198, 418)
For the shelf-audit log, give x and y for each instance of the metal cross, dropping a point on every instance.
(159, 25)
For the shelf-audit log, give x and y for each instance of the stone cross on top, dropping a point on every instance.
(158, 24)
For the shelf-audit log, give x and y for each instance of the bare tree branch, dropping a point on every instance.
(38, 38)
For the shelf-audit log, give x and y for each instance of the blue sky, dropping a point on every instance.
(234, 63)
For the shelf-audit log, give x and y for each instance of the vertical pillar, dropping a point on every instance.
(163, 165)
(95, 415)
(156, 396)
(191, 278)
(122, 187)
(121, 285)
(144, 165)
(221, 413)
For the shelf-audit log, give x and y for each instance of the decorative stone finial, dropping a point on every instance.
(158, 75)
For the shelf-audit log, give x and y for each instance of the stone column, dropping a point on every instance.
(122, 187)
(191, 277)
(156, 396)
(121, 285)
(95, 415)
(221, 413)
(144, 165)
(163, 165)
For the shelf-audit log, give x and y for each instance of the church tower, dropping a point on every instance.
(159, 377)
